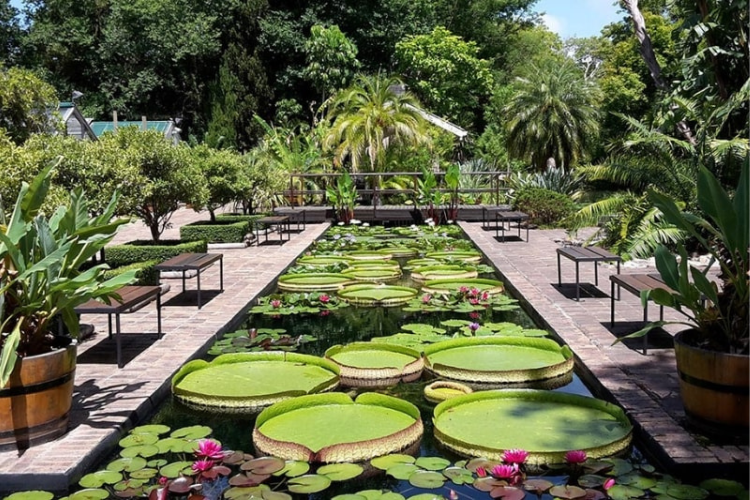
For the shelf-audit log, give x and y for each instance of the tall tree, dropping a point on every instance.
(10, 32)
(26, 104)
(552, 114)
(331, 60)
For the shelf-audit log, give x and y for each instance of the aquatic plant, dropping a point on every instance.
(284, 304)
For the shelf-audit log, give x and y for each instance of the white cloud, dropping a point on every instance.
(554, 24)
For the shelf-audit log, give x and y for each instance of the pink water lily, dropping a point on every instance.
(608, 483)
(325, 298)
(426, 298)
(481, 472)
(463, 289)
(325, 312)
(473, 301)
(474, 327)
(209, 449)
(505, 471)
(515, 456)
(275, 303)
(201, 466)
(474, 292)
(485, 295)
(575, 457)
(474, 315)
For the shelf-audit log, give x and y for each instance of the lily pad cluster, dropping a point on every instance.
(284, 304)
(258, 339)
(463, 298)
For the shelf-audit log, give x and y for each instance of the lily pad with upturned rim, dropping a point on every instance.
(445, 271)
(322, 260)
(334, 428)
(439, 391)
(464, 256)
(365, 264)
(547, 424)
(247, 381)
(373, 274)
(377, 295)
(311, 282)
(453, 285)
(373, 361)
(368, 255)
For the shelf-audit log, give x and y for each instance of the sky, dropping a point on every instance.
(579, 18)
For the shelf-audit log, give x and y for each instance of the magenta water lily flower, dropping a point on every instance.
(474, 315)
(474, 292)
(481, 472)
(325, 298)
(575, 457)
(473, 301)
(426, 298)
(505, 471)
(275, 304)
(474, 327)
(485, 295)
(325, 312)
(608, 483)
(463, 289)
(515, 456)
(209, 450)
(201, 466)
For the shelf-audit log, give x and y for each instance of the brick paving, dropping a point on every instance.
(646, 386)
(108, 401)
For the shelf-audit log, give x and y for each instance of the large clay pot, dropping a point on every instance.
(36, 401)
(713, 385)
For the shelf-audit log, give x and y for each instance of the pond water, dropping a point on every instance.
(361, 324)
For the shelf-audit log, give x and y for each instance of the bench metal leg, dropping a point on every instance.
(109, 321)
(645, 337)
(612, 305)
(221, 274)
(559, 275)
(596, 273)
(119, 341)
(183, 280)
(578, 286)
(158, 314)
(199, 289)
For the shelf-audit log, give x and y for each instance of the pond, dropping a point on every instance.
(311, 322)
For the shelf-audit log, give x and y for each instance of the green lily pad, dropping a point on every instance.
(402, 471)
(349, 496)
(174, 469)
(427, 496)
(246, 492)
(156, 429)
(427, 479)
(129, 484)
(387, 461)
(173, 445)
(31, 495)
(89, 494)
(459, 475)
(127, 464)
(567, 492)
(538, 486)
(311, 483)
(340, 472)
(624, 492)
(157, 462)
(432, 463)
(100, 478)
(144, 450)
(138, 440)
(637, 481)
(621, 467)
(264, 465)
(722, 487)
(686, 492)
(146, 473)
(275, 495)
(592, 481)
(293, 468)
(193, 432)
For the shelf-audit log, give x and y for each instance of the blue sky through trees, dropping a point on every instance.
(578, 17)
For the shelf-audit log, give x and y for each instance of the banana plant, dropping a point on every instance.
(44, 269)
(343, 196)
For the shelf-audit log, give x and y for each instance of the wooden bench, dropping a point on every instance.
(280, 224)
(131, 299)
(635, 284)
(194, 262)
(585, 254)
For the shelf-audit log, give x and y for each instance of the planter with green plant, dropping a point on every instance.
(42, 279)
(428, 195)
(343, 196)
(712, 354)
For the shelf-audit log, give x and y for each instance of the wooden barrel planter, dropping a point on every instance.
(713, 385)
(37, 399)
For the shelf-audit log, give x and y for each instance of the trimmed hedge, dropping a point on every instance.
(221, 231)
(146, 274)
(545, 207)
(239, 217)
(143, 250)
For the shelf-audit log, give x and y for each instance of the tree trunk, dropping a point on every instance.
(647, 51)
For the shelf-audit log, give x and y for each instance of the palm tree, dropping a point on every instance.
(552, 114)
(371, 116)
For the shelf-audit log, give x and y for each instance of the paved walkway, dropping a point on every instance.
(108, 400)
(647, 386)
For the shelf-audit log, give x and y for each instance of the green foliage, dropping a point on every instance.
(238, 218)
(139, 251)
(224, 172)
(343, 196)
(145, 274)
(544, 207)
(25, 104)
(555, 179)
(41, 276)
(219, 231)
(446, 74)
(331, 60)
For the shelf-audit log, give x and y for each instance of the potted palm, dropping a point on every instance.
(343, 196)
(712, 354)
(43, 277)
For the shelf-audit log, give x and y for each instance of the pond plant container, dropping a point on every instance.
(35, 403)
(713, 385)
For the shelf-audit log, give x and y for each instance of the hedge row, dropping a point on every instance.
(142, 250)
(239, 217)
(146, 274)
(221, 231)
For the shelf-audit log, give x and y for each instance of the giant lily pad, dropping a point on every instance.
(314, 282)
(368, 255)
(446, 271)
(364, 264)
(415, 263)
(335, 428)
(377, 295)
(441, 390)
(547, 424)
(499, 359)
(250, 380)
(400, 252)
(463, 256)
(454, 285)
(373, 274)
(322, 260)
(367, 361)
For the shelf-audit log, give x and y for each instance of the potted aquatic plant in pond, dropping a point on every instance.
(343, 196)
(43, 277)
(712, 354)
(428, 195)
(452, 180)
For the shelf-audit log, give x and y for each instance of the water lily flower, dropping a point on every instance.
(463, 289)
(429, 221)
(325, 298)
(505, 471)
(340, 224)
(474, 315)
(365, 224)
(426, 298)
(209, 449)
(336, 237)
(163, 480)
(473, 301)
(485, 295)
(449, 221)
(515, 456)
(355, 222)
(201, 466)
(481, 472)
(474, 327)
(608, 483)
(275, 303)
(474, 292)
(325, 312)
(575, 457)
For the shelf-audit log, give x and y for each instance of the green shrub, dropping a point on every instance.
(221, 231)
(239, 217)
(145, 272)
(544, 207)
(143, 250)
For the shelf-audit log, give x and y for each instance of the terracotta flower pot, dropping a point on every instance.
(713, 385)
(38, 398)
